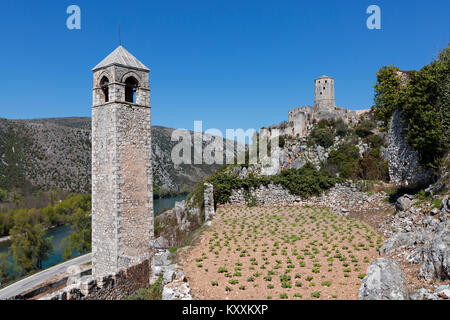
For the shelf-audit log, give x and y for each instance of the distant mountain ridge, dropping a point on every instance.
(55, 153)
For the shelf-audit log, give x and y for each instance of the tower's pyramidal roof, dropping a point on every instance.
(121, 57)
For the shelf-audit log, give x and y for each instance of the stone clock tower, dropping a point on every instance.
(122, 187)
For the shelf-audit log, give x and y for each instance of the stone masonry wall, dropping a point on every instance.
(135, 215)
(122, 198)
(209, 201)
(104, 190)
(110, 287)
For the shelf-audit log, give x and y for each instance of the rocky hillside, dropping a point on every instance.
(56, 153)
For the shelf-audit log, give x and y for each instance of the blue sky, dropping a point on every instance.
(232, 64)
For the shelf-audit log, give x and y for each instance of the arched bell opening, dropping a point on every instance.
(131, 85)
(104, 85)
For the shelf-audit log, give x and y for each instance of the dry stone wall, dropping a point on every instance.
(341, 199)
(271, 194)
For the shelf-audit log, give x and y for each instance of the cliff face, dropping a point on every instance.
(405, 169)
(56, 153)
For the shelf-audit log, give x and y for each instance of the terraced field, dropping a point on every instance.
(280, 253)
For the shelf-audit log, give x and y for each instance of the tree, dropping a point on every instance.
(16, 198)
(28, 243)
(387, 93)
(43, 246)
(425, 104)
(4, 275)
(3, 195)
(51, 215)
(81, 239)
(427, 111)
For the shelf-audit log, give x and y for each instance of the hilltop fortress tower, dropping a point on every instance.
(324, 94)
(122, 188)
(301, 119)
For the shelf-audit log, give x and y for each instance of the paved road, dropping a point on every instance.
(38, 278)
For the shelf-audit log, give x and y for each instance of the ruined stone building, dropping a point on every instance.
(122, 191)
(301, 118)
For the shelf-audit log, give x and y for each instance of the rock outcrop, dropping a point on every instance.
(385, 281)
(436, 251)
(420, 234)
(175, 284)
(404, 202)
(405, 169)
(440, 293)
(436, 256)
(178, 289)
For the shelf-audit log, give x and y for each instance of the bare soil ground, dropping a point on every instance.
(279, 253)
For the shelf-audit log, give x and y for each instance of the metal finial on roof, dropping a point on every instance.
(120, 42)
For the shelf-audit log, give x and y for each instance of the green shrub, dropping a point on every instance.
(374, 141)
(326, 123)
(173, 249)
(305, 182)
(154, 292)
(322, 136)
(436, 203)
(342, 161)
(342, 128)
(372, 166)
(365, 128)
(282, 141)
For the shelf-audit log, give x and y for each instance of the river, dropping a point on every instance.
(59, 233)
(160, 205)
